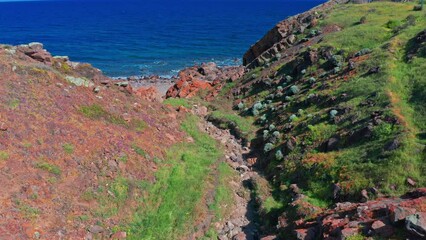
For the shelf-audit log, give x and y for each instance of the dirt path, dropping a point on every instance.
(241, 223)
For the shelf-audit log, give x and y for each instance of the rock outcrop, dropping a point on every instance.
(380, 217)
(207, 77)
(284, 35)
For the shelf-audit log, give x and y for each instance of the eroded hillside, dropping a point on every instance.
(332, 107)
(83, 156)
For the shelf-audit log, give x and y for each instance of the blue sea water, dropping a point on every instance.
(125, 38)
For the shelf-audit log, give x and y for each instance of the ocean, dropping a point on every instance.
(125, 38)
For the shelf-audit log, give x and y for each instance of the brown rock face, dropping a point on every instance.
(36, 52)
(150, 94)
(207, 77)
(380, 217)
(282, 36)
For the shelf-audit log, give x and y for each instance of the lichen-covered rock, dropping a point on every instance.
(79, 81)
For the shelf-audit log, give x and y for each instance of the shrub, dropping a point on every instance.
(392, 24)
(265, 134)
(68, 148)
(324, 74)
(294, 90)
(279, 155)
(276, 134)
(139, 151)
(333, 113)
(263, 118)
(336, 60)
(4, 155)
(336, 70)
(418, 8)
(268, 147)
(278, 56)
(293, 118)
(256, 107)
(240, 106)
(362, 52)
(49, 167)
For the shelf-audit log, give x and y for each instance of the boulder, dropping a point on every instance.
(392, 145)
(3, 126)
(411, 182)
(364, 195)
(361, 134)
(382, 228)
(398, 213)
(305, 234)
(150, 94)
(416, 224)
(96, 229)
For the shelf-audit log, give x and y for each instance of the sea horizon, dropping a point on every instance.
(131, 38)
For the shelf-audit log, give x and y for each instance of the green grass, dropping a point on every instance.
(139, 151)
(224, 196)
(14, 103)
(169, 210)
(49, 167)
(270, 204)
(68, 148)
(97, 112)
(138, 124)
(356, 237)
(123, 158)
(177, 102)
(27, 211)
(371, 34)
(4, 155)
(229, 120)
(397, 92)
(120, 188)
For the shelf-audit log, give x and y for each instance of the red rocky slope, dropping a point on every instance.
(67, 133)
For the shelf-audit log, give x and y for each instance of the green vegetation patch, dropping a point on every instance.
(139, 151)
(168, 211)
(177, 102)
(68, 148)
(97, 112)
(49, 167)
(27, 211)
(241, 127)
(4, 155)
(224, 196)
